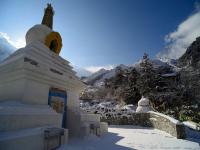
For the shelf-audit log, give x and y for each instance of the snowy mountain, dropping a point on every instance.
(155, 62)
(99, 77)
(192, 55)
(81, 72)
(158, 63)
(5, 48)
(95, 76)
(109, 74)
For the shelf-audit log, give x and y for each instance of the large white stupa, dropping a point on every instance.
(39, 93)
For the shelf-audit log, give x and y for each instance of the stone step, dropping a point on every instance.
(23, 116)
(28, 139)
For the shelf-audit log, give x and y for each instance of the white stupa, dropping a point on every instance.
(39, 90)
(143, 105)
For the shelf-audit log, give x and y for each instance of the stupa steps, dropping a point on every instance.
(29, 139)
(26, 116)
(42, 56)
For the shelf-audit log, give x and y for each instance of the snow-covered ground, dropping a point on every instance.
(130, 138)
(107, 108)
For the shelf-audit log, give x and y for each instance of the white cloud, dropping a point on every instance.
(5, 47)
(19, 43)
(80, 71)
(177, 42)
(93, 69)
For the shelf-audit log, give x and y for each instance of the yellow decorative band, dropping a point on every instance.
(54, 42)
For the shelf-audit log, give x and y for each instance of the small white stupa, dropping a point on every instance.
(143, 105)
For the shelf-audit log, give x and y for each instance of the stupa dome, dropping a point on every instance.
(143, 105)
(45, 35)
(143, 101)
(38, 32)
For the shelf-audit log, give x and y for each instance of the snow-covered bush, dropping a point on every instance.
(107, 108)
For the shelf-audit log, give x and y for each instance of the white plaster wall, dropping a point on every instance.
(33, 81)
(73, 113)
(85, 117)
(12, 90)
(27, 139)
(73, 100)
(35, 92)
(73, 123)
(103, 128)
(13, 117)
(28, 83)
(25, 142)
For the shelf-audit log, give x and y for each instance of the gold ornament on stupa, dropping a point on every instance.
(53, 40)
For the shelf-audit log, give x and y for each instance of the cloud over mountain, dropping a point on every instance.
(81, 71)
(6, 48)
(87, 71)
(176, 42)
(94, 69)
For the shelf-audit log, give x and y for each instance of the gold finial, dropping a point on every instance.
(48, 16)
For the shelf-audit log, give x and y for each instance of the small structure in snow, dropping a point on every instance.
(143, 105)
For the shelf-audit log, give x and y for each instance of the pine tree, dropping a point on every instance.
(148, 77)
(131, 93)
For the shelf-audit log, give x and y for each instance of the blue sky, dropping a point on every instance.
(104, 33)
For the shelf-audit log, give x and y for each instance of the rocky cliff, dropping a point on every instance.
(191, 58)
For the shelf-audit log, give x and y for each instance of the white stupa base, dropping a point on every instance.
(29, 73)
(22, 126)
(17, 116)
(28, 139)
(87, 119)
(143, 109)
(26, 77)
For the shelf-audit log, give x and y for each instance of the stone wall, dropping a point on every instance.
(150, 119)
(133, 119)
(167, 124)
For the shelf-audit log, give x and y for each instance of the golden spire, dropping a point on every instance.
(48, 16)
